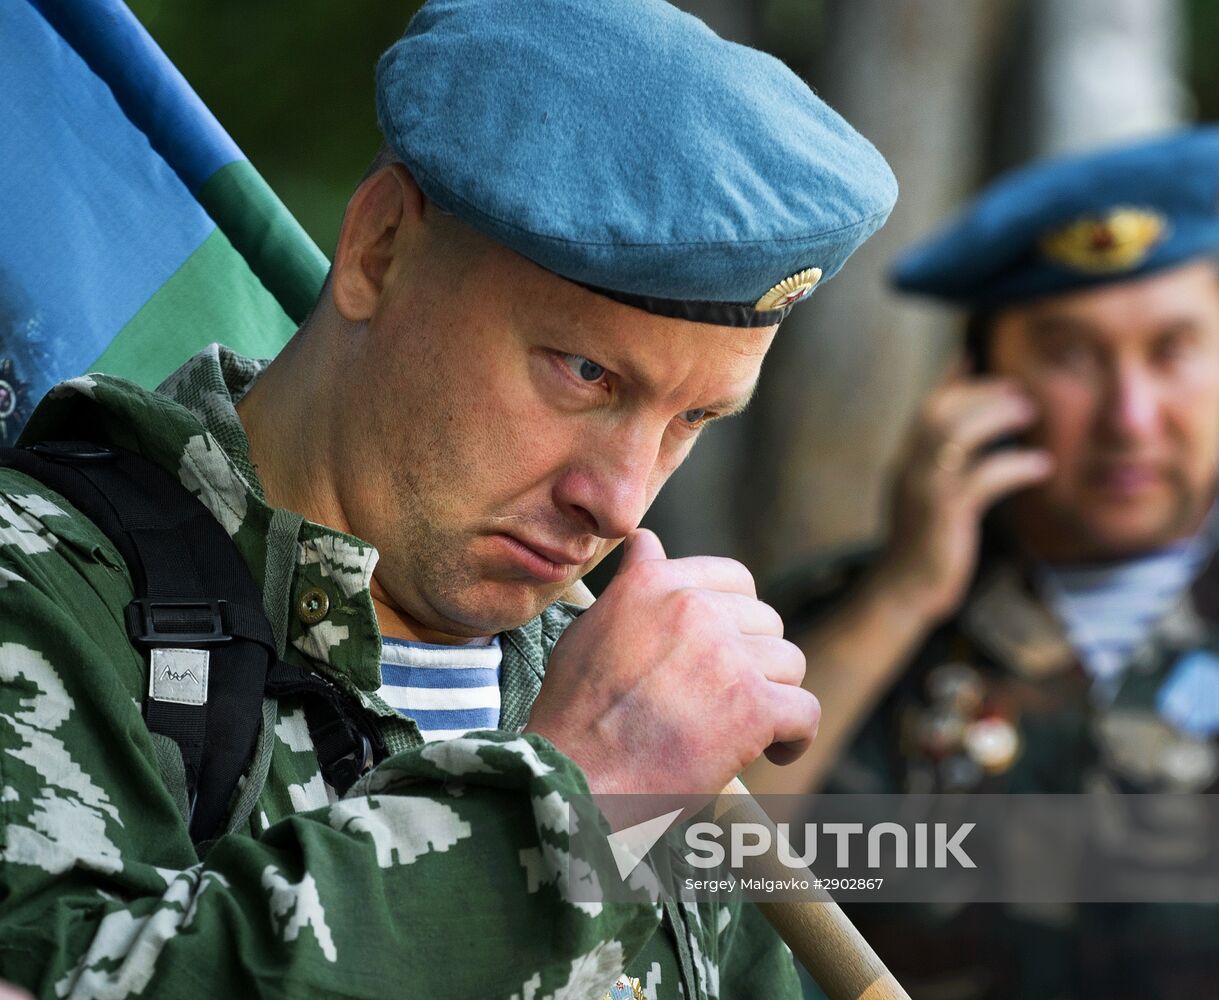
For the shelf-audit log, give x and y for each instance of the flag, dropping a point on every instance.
(133, 232)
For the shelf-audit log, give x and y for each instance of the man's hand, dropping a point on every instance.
(953, 469)
(950, 476)
(676, 679)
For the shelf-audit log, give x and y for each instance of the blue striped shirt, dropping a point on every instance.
(447, 690)
(1109, 609)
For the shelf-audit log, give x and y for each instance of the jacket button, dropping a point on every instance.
(312, 606)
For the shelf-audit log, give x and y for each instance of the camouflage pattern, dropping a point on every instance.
(1003, 667)
(443, 873)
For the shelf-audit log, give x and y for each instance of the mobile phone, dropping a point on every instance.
(977, 352)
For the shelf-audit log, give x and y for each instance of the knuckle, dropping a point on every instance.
(746, 578)
(646, 574)
(798, 660)
(691, 606)
(753, 682)
(814, 712)
(756, 744)
(736, 572)
(655, 578)
(733, 680)
(776, 619)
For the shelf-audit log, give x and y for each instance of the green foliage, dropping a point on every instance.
(1201, 38)
(292, 83)
(791, 30)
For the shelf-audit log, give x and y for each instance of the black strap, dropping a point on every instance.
(179, 558)
(346, 742)
(194, 591)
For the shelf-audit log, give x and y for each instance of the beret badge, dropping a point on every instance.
(1119, 240)
(790, 290)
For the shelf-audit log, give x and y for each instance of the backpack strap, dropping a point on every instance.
(197, 614)
(347, 744)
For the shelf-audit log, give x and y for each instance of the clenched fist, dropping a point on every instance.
(676, 679)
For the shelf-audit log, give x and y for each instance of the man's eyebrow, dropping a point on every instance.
(721, 408)
(1049, 325)
(731, 407)
(1065, 326)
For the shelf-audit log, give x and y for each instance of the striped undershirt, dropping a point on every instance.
(447, 690)
(1109, 609)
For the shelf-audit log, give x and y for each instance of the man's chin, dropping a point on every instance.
(1116, 534)
(493, 606)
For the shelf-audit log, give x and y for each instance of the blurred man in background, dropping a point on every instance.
(1045, 614)
(542, 292)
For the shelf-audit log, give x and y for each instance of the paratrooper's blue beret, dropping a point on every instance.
(625, 146)
(1075, 222)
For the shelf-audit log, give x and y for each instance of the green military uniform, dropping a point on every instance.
(997, 701)
(442, 873)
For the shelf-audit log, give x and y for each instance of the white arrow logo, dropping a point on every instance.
(630, 846)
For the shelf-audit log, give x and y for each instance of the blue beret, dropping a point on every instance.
(1075, 222)
(625, 146)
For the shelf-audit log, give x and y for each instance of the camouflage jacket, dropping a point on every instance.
(443, 873)
(1003, 666)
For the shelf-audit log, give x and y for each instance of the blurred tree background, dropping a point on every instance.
(951, 91)
(293, 86)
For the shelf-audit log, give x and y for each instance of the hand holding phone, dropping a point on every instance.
(964, 454)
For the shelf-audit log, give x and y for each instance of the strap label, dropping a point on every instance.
(179, 676)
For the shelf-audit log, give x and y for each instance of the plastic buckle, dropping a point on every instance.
(344, 772)
(142, 623)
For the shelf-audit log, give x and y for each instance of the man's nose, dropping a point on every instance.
(607, 489)
(1133, 404)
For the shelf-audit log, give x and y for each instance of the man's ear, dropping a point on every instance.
(383, 207)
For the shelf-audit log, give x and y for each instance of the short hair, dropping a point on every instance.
(385, 156)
